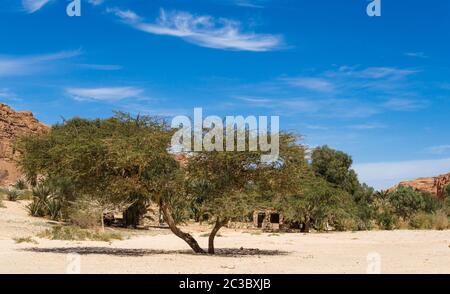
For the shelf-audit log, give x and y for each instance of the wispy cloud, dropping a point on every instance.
(367, 126)
(96, 2)
(440, 149)
(373, 72)
(104, 67)
(204, 31)
(7, 95)
(314, 84)
(383, 175)
(26, 65)
(416, 54)
(111, 94)
(31, 6)
(250, 3)
(403, 104)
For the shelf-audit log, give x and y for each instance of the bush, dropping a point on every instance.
(406, 202)
(431, 203)
(38, 207)
(387, 220)
(21, 185)
(45, 203)
(422, 221)
(82, 214)
(25, 240)
(74, 233)
(441, 220)
(12, 195)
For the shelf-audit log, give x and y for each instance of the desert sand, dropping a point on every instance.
(158, 251)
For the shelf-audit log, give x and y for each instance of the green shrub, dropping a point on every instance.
(82, 214)
(431, 203)
(54, 207)
(441, 220)
(45, 203)
(422, 221)
(74, 233)
(25, 240)
(12, 195)
(26, 195)
(21, 185)
(406, 202)
(387, 220)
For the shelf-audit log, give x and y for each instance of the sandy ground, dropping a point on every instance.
(158, 251)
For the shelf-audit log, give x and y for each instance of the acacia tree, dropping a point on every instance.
(231, 185)
(110, 161)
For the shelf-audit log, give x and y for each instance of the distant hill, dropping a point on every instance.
(13, 125)
(434, 185)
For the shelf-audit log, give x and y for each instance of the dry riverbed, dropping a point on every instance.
(158, 251)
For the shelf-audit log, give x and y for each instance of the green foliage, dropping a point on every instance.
(447, 191)
(12, 195)
(103, 160)
(45, 202)
(317, 205)
(441, 221)
(20, 240)
(422, 221)
(431, 203)
(21, 185)
(406, 202)
(73, 233)
(428, 221)
(335, 167)
(84, 215)
(384, 215)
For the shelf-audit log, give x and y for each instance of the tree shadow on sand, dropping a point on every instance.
(124, 252)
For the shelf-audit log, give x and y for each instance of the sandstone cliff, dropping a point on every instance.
(434, 185)
(14, 125)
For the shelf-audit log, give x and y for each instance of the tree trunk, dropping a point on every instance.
(306, 226)
(167, 211)
(219, 224)
(102, 220)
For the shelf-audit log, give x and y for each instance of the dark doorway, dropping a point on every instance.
(261, 217)
(274, 218)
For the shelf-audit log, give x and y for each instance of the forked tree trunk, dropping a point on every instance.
(167, 211)
(217, 226)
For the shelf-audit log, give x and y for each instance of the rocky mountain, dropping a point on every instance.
(13, 125)
(434, 185)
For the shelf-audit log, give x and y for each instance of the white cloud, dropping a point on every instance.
(8, 95)
(204, 31)
(368, 126)
(314, 84)
(383, 175)
(31, 6)
(26, 65)
(416, 54)
(401, 104)
(104, 94)
(104, 67)
(96, 2)
(440, 149)
(374, 72)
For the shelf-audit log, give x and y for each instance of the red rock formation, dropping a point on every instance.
(14, 125)
(434, 185)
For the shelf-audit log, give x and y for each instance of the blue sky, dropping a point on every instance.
(377, 88)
